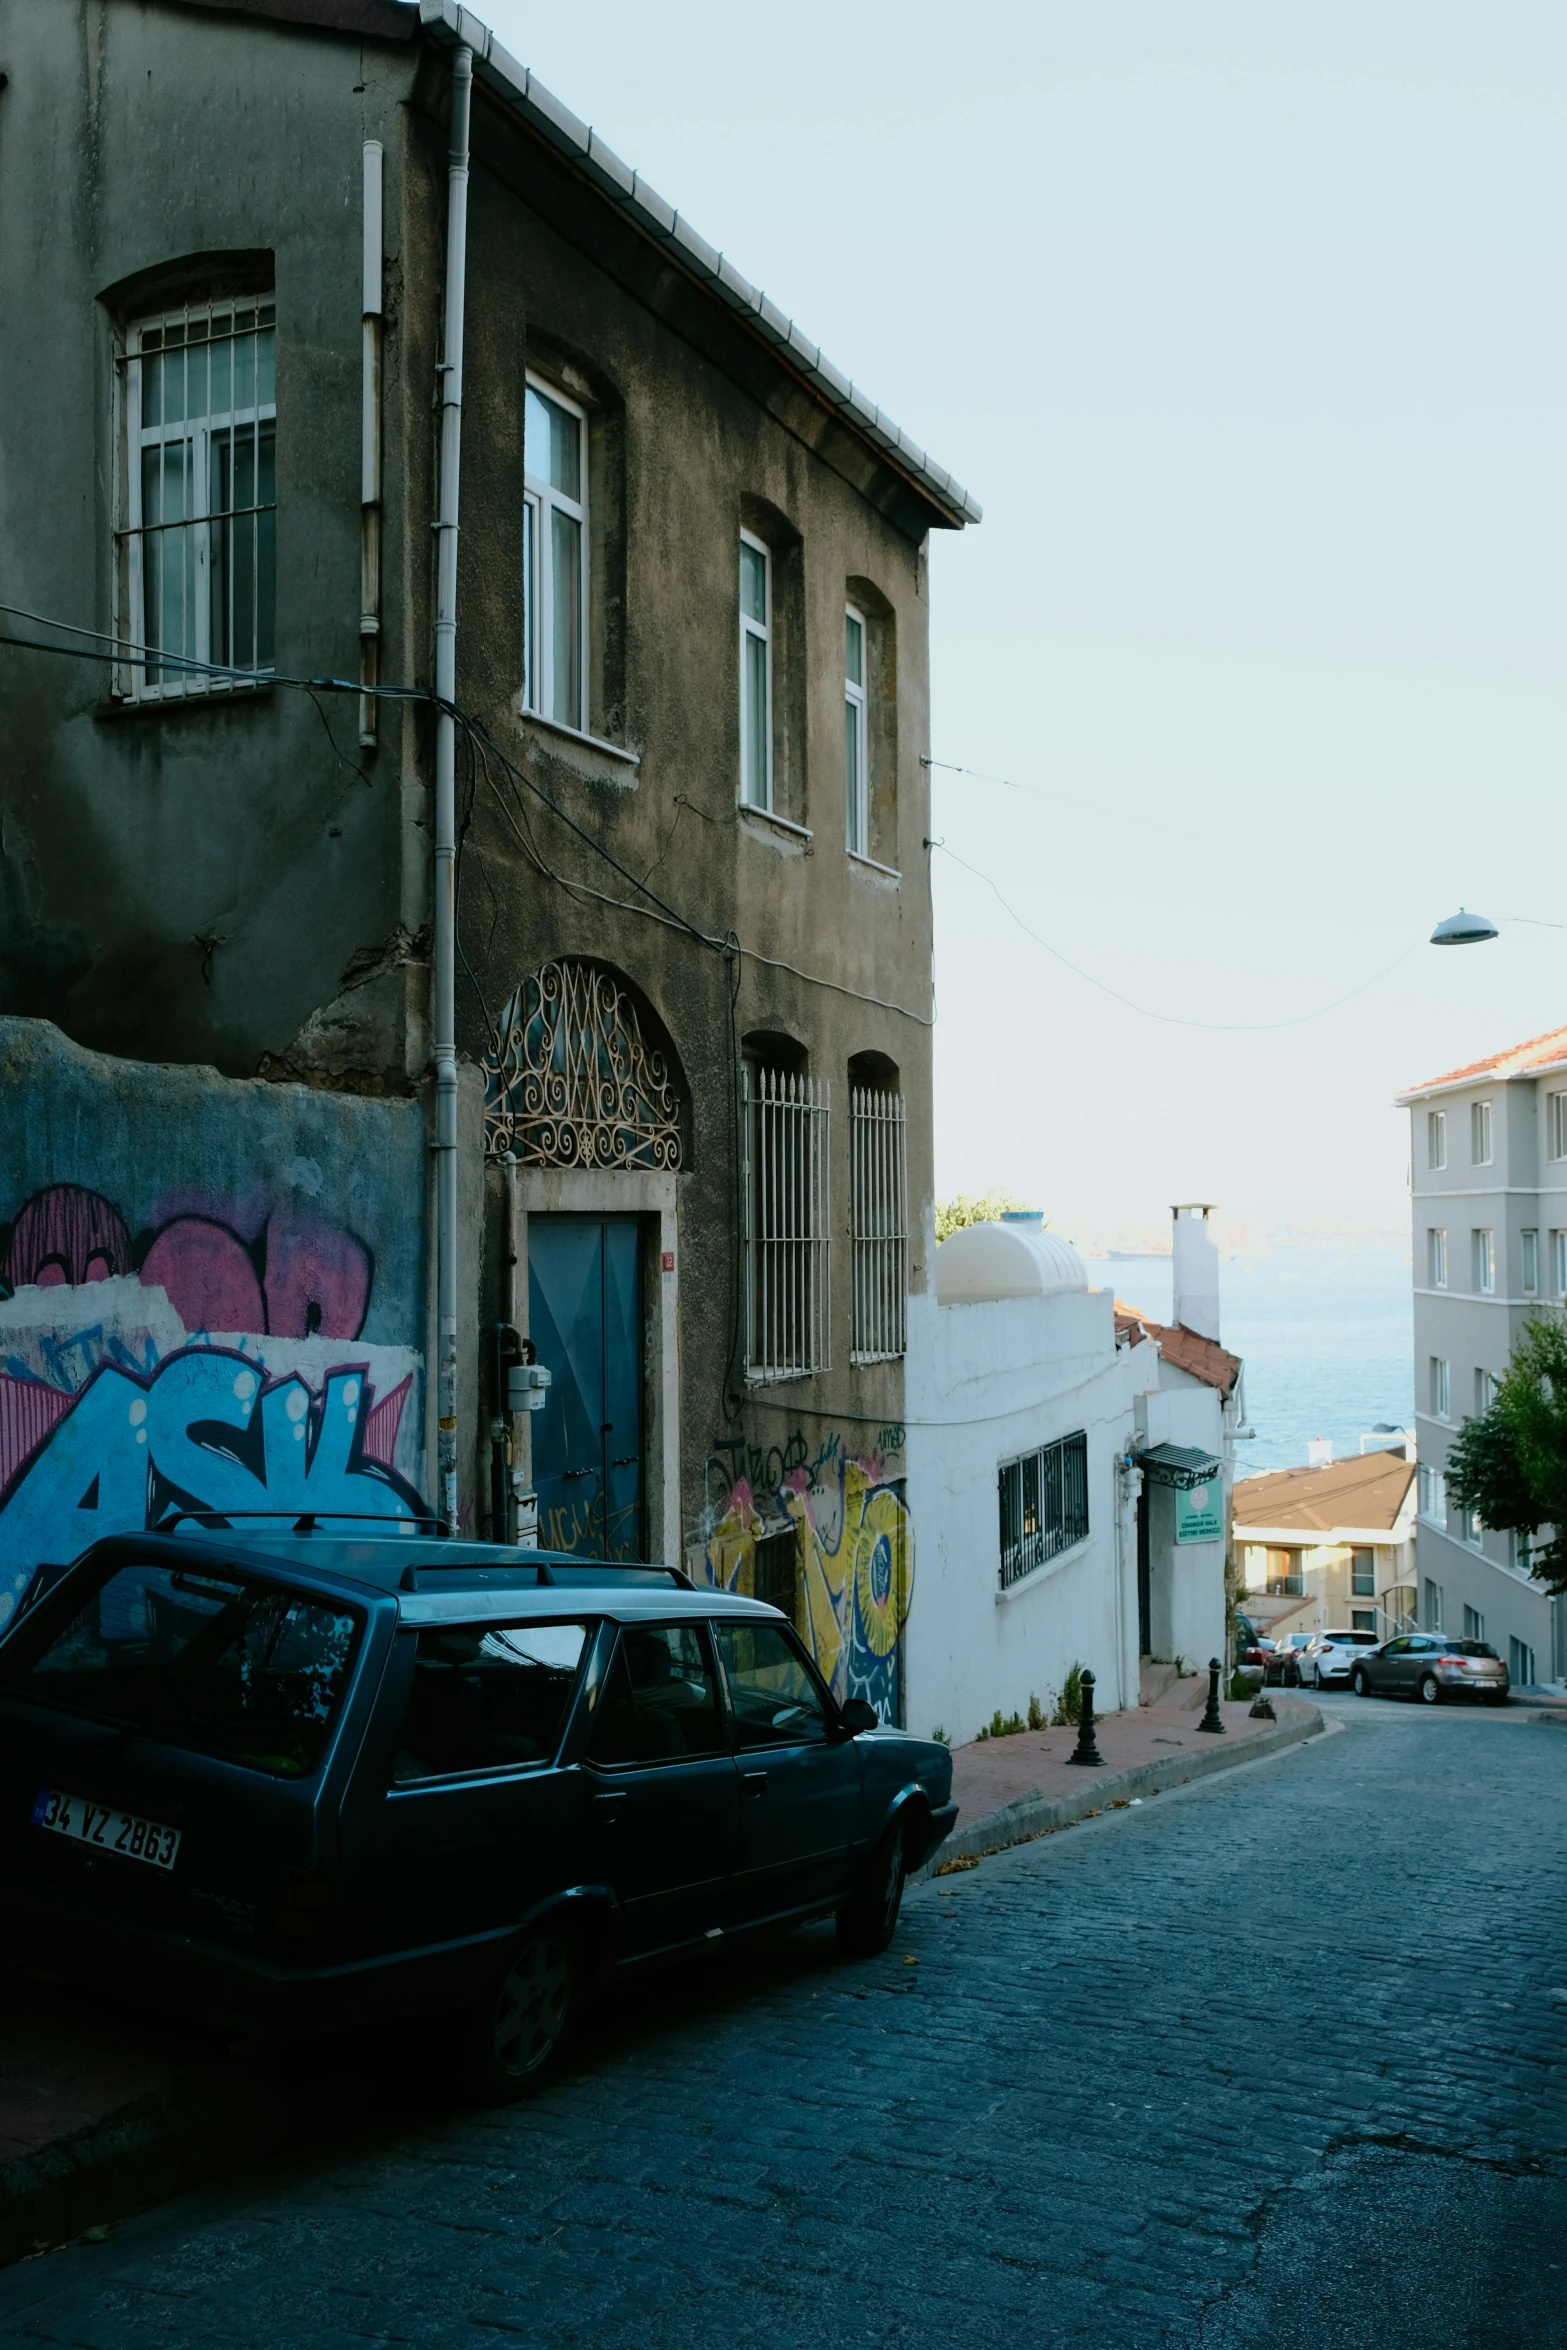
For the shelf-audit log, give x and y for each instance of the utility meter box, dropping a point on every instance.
(527, 1385)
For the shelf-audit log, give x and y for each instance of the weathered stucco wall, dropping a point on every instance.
(210, 1294)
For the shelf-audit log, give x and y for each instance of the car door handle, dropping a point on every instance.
(608, 1808)
(754, 1782)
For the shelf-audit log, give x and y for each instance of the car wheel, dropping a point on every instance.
(515, 2033)
(1430, 1689)
(1360, 1681)
(869, 1918)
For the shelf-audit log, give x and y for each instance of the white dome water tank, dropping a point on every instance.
(981, 1263)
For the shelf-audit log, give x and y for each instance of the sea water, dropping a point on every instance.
(1324, 1329)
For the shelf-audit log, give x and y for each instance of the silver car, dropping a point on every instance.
(1430, 1667)
(1331, 1657)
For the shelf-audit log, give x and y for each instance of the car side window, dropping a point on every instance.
(772, 1696)
(487, 1697)
(659, 1702)
(1396, 1648)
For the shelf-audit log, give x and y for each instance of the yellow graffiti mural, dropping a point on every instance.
(855, 1567)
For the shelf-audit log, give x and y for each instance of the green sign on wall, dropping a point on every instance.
(1199, 1513)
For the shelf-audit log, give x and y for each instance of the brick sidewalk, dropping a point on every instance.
(993, 1772)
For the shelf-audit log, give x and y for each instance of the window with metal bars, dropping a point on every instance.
(879, 1223)
(196, 550)
(784, 1121)
(1044, 1506)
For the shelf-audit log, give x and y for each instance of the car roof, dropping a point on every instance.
(440, 1581)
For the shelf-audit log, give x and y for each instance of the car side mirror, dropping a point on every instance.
(857, 1714)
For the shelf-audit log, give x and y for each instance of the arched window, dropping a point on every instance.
(574, 1083)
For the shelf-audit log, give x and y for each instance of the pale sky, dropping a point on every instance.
(1246, 325)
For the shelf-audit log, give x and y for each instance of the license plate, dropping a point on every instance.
(104, 1829)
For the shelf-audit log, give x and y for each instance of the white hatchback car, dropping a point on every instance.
(1330, 1657)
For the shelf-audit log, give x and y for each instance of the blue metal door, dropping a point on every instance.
(585, 1320)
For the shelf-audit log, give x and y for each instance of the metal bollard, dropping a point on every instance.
(1085, 1751)
(1212, 1719)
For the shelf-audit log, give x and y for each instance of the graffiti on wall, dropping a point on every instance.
(212, 1361)
(853, 1551)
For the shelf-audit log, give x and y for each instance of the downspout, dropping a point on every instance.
(444, 975)
(370, 457)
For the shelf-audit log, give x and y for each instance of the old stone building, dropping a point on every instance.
(281, 262)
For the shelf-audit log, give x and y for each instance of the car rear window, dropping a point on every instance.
(220, 1662)
(487, 1697)
(1470, 1648)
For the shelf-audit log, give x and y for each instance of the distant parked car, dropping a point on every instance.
(1330, 1657)
(1429, 1667)
(304, 1780)
(1282, 1669)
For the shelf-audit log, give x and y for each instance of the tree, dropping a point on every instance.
(1509, 1464)
(965, 1207)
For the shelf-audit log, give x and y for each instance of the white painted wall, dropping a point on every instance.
(1188, 1579)
(984, 1384)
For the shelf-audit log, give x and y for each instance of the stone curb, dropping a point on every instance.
(1034, 1815)
(155, 2146)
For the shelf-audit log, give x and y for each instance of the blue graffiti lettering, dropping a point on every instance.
(206, 1429)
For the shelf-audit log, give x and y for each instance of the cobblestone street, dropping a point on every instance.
(1275, 2058)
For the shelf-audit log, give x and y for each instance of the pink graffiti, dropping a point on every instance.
(382, 1422)
(301, 1277)
(67, 1234)
(29, 1411)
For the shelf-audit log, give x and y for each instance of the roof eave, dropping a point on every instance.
(454, 26)
(1441, 1085)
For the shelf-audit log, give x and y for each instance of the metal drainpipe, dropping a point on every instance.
(370, 456)
(444, 976)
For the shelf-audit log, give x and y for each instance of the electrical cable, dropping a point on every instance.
(1174, 1019)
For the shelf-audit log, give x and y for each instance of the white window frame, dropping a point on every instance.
(1436, 1140)
(540, 499)
(133, 438)
(1556, 1110)
(786, 1160)
(1485, 1391)
(1043, 1506)
(1481, 1137)
(1559, 1264)
(1433, 1496)
(1436, 1255)
(1482, 1253)
(750, 795)
(1432, 1596)
(878, 1223)
(856, 703)
(1529, 1260)
(1440, 1388)
(1474, 1623)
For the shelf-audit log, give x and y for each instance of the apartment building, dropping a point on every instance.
(1488, 1179)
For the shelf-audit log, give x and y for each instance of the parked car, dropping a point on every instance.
(1330, 1657)
(296, 1780)
(1428, 1666)
(1282, 1668)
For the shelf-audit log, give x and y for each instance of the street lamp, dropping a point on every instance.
(1462, 929)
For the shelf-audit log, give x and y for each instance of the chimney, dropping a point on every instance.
(1196, 1270)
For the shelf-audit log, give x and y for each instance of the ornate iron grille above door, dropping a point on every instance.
(574, 1083)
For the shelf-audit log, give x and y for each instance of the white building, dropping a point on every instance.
(1488, 1171)
(1068, 1477)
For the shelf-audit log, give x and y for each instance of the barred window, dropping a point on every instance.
(878, 1168)
(784, 1121)
(195, 575)
(1044, 1506)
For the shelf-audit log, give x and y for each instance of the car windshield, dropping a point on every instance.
(1471, 1648)
(224, 1663)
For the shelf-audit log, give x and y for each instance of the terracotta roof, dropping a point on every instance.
(1368, 1491)
(1202, 1358)
(1539, 1052)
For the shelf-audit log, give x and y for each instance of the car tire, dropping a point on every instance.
(1360, 1681)
(515, 2033)
(1430, 1689)
(868, 1920)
